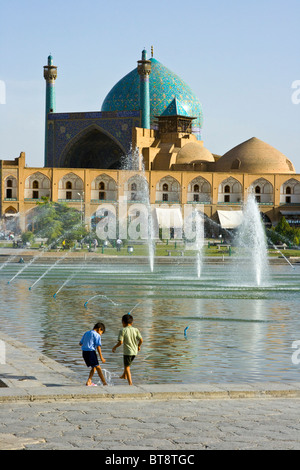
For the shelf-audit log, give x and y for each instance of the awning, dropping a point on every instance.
(169, 217)
(11, 214)
(290, 212)
(230, 219)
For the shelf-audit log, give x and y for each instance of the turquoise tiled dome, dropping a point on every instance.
(165, 86)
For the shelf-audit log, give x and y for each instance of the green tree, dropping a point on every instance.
(27, 237)
(286, 233)
(57, 222)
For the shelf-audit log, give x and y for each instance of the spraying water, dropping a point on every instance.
(199, 241)
(109, 376)
(100, 295)
(252, 241)
(42, 253)
(134, 161)
(48, 270)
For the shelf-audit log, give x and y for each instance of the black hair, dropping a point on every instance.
(99, 326)
(127, 319)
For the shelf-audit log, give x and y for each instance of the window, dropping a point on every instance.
(196, 197)
(133, 187)
(227, 189)
(288, 190)
(227, 198)
(288, 199)
(257, 198)
(8, 193)
(9, 184)
(165, 187)
(35, 194)
(236, 164)
(35, 184)
(257, 190)
(165, 197)
(196, 188)
(69, 195)
(102, 185)
(68, 185)
(101, 195)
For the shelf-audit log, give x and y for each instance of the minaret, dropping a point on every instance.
(144, 70)
(50, 74)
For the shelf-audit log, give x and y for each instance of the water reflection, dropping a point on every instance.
(235, 334)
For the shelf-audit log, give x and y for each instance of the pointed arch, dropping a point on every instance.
(136, 188)
(199, 190)
(10, 187)
(70, 187)
(230, 191)
(37, 186)
(93, 147)
(168, 189)
(104, 187)
(263, 190)
(290, 192)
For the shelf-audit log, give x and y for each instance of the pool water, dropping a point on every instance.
(236, 333)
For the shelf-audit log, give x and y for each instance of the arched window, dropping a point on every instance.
(9, 184)
(257, 190)
(288, 190)
(227, 189)
(165, 187)
(101, 185)
(68, 185)
(133, 187)
(35, 184)
(196, 188)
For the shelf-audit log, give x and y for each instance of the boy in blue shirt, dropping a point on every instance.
(90, 342)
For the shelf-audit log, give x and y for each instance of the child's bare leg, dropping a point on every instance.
(89, 380)
(127, 374)
(100, 373)
(123, 376)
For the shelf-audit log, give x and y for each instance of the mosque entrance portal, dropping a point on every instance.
(94, 149)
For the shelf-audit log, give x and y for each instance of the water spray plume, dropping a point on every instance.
(100, 295)
(251, 240)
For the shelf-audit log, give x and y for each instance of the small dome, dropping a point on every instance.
(192, 152)
(254, 156)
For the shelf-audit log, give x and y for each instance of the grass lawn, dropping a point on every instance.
(169, 249)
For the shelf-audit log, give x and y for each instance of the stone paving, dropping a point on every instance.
(44, 406)
(174, 425)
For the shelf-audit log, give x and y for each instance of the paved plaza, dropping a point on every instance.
(165, 424)
(43, 406)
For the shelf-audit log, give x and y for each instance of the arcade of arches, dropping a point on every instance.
(89, 189)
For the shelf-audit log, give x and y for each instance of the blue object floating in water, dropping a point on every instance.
(186, 330)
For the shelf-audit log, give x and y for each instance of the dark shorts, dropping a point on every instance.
(128, 360)
(90, 358)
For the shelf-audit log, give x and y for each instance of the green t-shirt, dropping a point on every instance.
(130, 337)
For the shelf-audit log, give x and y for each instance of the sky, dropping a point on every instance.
(241, 59)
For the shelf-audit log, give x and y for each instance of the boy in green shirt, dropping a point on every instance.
(132, 340)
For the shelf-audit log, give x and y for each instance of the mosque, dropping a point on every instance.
(149, 129)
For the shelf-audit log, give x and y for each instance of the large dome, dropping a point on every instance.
(254, 156)
(164, 86)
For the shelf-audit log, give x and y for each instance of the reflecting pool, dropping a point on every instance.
(237, 332)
